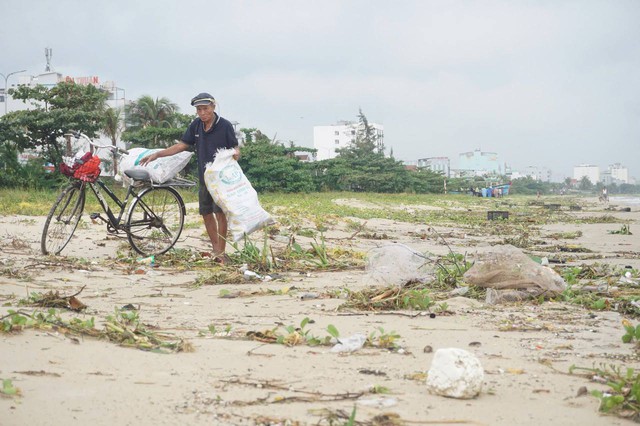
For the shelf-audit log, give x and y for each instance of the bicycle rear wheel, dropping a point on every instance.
(63, 219)
(155, 220)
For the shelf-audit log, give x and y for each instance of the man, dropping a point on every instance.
(207, 133)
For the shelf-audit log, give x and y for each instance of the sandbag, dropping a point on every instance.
(232, 191)
(160, 170)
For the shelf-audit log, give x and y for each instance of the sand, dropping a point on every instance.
(525, 349)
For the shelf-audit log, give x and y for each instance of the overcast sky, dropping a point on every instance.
(545, 83)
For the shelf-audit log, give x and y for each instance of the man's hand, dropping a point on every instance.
(149, 158)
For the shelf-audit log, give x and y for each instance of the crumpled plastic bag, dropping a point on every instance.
(397, 264)
(350, 344)
(510, 275)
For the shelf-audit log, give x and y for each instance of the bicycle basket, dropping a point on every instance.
(86, 168)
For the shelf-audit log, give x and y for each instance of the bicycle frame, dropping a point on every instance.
(114, 221)
(132, 194)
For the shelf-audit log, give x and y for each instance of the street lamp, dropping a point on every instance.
(6, 93)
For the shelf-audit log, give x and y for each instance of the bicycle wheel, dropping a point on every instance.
(63, 219)
(155, 220)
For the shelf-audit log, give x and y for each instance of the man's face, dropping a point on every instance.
(205, 112)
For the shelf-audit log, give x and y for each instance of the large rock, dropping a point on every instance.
(455, 373)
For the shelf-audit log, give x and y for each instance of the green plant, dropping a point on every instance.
(333, 331)
(352, 418)
(451, 269)
(383, 339)
(442, 307)
(623, 398)
(298, 335)
(418, 299)
(379, 389)
(256, 258)
(571, 274)
(624, 230)
(320, 252)
(8, 388)
(632, 333)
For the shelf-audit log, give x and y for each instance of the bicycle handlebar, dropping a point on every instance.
(112, 148)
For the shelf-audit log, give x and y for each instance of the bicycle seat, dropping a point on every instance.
(137, 174)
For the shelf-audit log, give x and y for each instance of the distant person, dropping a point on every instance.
(206, 134)
(605, 196)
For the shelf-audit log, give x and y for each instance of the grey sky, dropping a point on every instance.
(546, 83)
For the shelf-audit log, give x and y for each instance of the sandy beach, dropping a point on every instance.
(232, 378)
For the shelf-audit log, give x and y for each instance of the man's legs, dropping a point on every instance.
(216, 225)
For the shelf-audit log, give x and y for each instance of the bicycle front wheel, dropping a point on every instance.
(63, 219)
(155, 220)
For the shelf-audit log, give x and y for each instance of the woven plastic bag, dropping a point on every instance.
(232, 191)
(160, 170)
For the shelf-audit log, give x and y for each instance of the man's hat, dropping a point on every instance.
(202, 99)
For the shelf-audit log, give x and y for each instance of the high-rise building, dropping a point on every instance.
(616, 173)
(479, 163)
(590, 171)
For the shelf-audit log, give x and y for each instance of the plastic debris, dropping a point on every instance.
(146, 260)
(308, 295)
(350, 344)
(397, 264)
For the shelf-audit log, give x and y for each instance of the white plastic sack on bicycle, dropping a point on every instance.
(160, 170)
(232, 191)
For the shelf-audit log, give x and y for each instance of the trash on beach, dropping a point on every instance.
(308, 295)
(511, 276)
(150, 260)
(397, 264)
(455, 373)
(250, 275)
(350, 344)
(627, 279)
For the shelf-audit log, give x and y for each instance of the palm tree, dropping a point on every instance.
(147, 112)
(112, 128)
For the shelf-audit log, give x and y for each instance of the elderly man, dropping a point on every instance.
(206, 134)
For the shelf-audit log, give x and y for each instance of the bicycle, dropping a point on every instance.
(154, 212)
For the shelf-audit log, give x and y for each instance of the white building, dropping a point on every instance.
(616, 173)
(590, 171)
(49, 79)
(478, 163)
(436, 164)
(538, 173)
(328, 139)
(619, 173)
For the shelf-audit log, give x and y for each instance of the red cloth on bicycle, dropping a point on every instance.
(89, 171)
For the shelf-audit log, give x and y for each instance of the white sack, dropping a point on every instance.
(232, 191)
(160, 170)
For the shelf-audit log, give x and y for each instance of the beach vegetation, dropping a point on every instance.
(622, 395)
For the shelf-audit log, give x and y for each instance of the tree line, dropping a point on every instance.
(270, 165)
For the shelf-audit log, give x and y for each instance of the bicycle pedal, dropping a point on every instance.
(94, 218)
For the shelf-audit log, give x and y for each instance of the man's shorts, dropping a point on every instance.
(207, 205)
